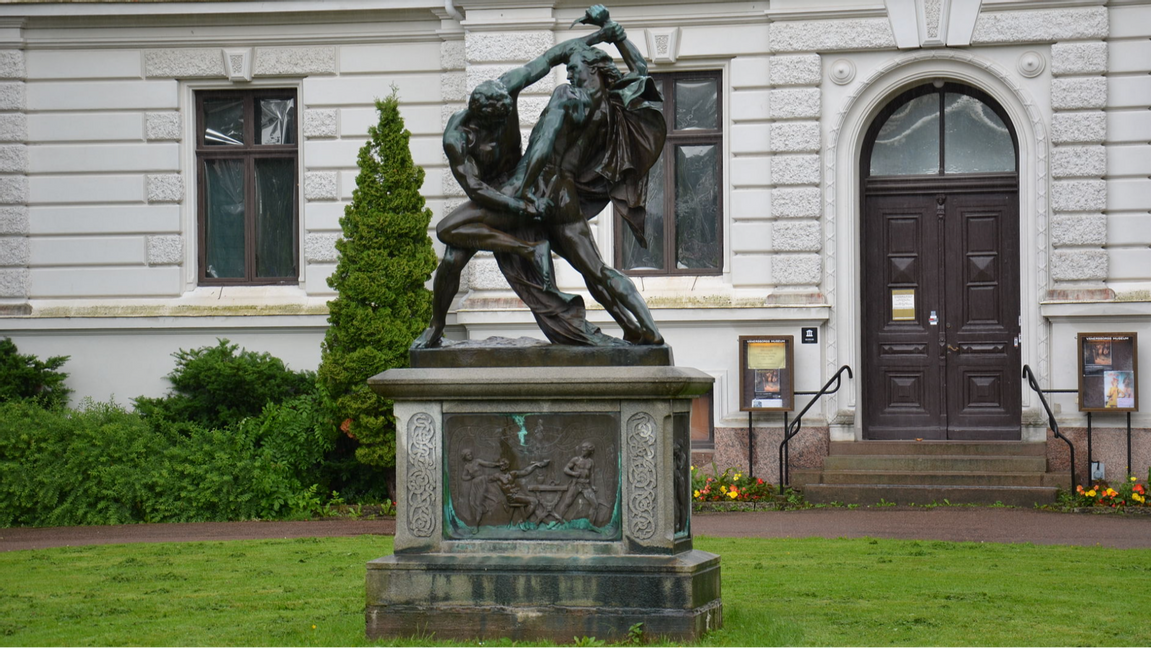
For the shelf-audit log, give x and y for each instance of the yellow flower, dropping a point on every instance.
(1133, 479)
(1137, 497)
(738, 475)
(1090, 493)
(697, 492)
(1111, 492)
(733, 493)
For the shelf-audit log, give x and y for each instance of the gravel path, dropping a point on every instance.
(973, 524)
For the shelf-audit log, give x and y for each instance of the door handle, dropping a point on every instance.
(953, 348)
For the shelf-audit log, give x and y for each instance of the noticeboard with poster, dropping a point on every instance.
(1108, 372)
(767, 373)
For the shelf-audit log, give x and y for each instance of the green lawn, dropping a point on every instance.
(775, 592)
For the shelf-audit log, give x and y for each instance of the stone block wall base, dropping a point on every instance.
(543, 598)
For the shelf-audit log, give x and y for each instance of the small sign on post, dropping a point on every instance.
(767, 373)
(1108, 372)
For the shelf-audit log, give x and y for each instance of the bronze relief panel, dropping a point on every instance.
(532, 476)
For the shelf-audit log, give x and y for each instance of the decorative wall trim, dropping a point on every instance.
(1031, 64)
(421, 483)
(641, 433)
(238, 64)
(842, 72)
(663, 44)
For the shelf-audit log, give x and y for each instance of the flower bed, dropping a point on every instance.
(1130, 495)
(730, 486)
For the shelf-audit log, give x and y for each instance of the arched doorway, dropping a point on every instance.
(940, 268)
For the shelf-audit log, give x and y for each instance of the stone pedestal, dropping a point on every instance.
(545, 502)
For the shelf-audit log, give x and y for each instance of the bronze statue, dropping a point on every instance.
(595, 143)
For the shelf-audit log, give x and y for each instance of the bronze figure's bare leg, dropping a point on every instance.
(445, 286)
(472, 227)
(572, 240)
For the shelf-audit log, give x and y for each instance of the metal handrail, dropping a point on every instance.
(793, 428)
(1030, 376)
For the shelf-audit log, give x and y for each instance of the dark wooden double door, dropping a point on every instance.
(941, 309)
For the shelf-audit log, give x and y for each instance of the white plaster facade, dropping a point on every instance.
(97, 171)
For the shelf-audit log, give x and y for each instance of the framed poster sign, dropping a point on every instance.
(766, 373)
(1108, 372)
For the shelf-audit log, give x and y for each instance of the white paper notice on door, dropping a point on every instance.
(902, 304)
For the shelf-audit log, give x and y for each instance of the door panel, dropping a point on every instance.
(982, 270)
(957, 250)
(902, 390)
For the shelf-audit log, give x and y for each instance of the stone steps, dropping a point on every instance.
(952, 478)
(925, 472)
(922, 448)
(1024, 496)
(935, 463)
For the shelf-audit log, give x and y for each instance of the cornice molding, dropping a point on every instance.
(1032, 5)
(278, 40)
(280, 7)
(319, 28)
(826, 14)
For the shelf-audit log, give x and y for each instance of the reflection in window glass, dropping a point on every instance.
(702, 432)
(975, 139)
(277, 121)
(275, 236)
(224, 221)
(634, 256)
(224, 122)
(908, 142)
(695, 104)
(696, 207)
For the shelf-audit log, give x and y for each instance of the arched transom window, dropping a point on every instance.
(943, 129)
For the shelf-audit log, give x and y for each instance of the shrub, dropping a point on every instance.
(63, 467)
(105, 465)
(386, 258)
(27, 377)
(216, 387)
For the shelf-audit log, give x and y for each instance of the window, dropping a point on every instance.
(246, 157)
(702, 422)
(942, 130)
(684, 224)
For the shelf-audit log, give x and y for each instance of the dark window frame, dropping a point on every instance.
(676, 138)
(248, 152)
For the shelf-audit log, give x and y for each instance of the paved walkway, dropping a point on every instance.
(974, 524)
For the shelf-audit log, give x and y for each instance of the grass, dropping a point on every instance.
(305, 592)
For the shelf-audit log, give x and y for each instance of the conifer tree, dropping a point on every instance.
(386, 258)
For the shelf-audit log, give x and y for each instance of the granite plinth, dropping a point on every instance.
(543, 597)
(545, 502)
(529, 352)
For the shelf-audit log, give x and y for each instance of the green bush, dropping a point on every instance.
(105, 465)
(386, 258)
(27, 377)
(216, 387)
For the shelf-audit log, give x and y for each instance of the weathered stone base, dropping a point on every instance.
(543, 597)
